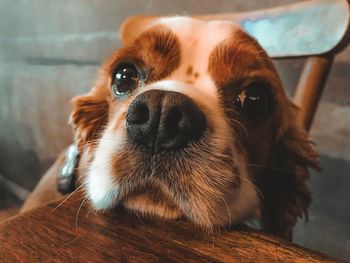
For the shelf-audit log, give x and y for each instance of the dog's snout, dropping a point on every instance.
(161, 120)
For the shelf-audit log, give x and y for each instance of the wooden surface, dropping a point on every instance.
(303, 29)
(71, 233)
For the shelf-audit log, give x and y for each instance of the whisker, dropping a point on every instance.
(139, 218)
(272, 168)
(77, 216)
(256, 188)
(243, 127)
(228, 210)
(89, 211)
(69, 196)
(72, 241)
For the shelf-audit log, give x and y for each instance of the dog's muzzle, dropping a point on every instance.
(162, 120)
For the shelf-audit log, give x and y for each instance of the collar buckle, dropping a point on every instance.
(67, 176)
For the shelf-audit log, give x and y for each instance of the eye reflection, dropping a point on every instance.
(253, 101)
(126, 79)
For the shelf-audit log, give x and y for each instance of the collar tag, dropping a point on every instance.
(67, 175)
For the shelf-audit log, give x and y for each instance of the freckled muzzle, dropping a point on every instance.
(164, 120)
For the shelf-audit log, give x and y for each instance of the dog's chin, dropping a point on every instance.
(201, 183)
(144, 204)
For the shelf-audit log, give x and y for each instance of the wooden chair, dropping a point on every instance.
(316, 29)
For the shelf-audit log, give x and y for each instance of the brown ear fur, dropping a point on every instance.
(89, 117)
(284, 184)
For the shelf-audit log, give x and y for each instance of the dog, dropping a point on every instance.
(189, 119)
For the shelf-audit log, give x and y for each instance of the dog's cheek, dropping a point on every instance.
(102, 181)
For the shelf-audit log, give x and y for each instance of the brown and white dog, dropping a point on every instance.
(189, 119)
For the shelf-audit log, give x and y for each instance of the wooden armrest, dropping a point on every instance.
(72, 233)
(302, 29)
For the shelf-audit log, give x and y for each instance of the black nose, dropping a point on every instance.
(161, 120)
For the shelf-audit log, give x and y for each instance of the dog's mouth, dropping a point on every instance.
(202, 182)
(191, 183)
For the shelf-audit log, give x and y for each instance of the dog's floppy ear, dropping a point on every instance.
(133, 26)
(89, 116)
(284, 186)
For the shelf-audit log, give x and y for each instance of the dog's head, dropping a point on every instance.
(189, 119)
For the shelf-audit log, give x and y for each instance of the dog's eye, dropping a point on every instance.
(253, 101)
(126, 78)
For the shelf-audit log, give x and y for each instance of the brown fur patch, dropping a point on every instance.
(284, 182)
(89, 117)
(189, 71)
(156, 53)
(238, 57)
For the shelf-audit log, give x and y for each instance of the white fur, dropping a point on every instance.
(198, 39)
(102, 190)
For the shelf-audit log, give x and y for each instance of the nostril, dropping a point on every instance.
(192, 121)
(138, 114)
(181, 122)
(173, 120)
(186, 121)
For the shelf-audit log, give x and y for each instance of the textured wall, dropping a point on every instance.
(50, 51)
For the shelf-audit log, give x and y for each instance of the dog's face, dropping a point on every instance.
(182, 121)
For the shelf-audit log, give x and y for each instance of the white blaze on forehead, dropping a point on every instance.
(198, 40)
